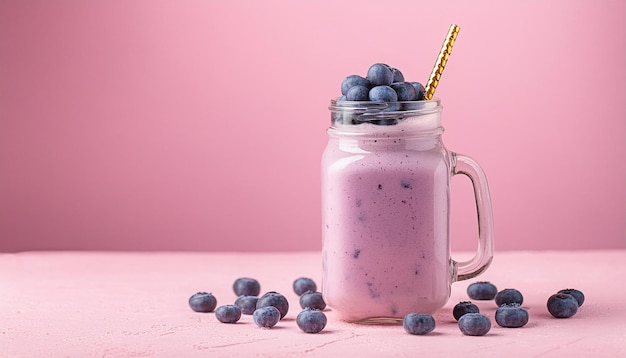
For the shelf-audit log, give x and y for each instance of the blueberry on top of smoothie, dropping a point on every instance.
(383, 94)
(358, 93)
(419, 89)
(380, 74)
(397, 75)
(353, 80)
(404, 90)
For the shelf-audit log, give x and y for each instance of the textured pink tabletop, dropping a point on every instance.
(84, 304)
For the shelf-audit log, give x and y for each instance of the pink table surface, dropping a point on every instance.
(111, 304)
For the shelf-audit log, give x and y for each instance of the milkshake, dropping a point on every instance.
(385, 217)
(386, 199)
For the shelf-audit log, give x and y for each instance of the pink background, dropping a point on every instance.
(199, 125)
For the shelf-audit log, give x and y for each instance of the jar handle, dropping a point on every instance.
(467, 166)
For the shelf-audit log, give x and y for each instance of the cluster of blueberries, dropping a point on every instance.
(510, 313)
(382, 83)
(268, 309)
(271, 307)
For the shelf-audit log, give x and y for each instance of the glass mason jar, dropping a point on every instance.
(386, 209)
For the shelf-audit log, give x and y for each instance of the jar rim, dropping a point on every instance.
(369, 107)
(353, 113)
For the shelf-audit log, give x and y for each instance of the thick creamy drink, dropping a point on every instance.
(385, 212)
(386, 220)
(386, 197)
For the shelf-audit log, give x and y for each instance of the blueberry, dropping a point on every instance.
(311, 320)
(246, 286)
(482, 290)
(274, 299)
(419, 89)
(354, 80)
(420, 324)
(342, 98)
(380, 74)
(358, 93)
(578, 295)
(202, 302)
(247, 304)
(562, 305)
(405, 91)
(509, 295)
(397, 75)
(312, 299)
(228, 314)
(303, 284)
(462, 308)
(511, 315)
(383, 94)
(266, 317)
(474, 324)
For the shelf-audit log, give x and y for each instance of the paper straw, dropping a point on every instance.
(446, 49)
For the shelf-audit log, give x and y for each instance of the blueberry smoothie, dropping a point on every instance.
(385, 226)
(385, 202)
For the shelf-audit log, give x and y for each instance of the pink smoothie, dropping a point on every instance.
(385, 222)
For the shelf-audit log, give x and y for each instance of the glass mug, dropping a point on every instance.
(386, 209)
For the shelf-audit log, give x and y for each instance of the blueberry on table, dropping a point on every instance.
(358, 93)
(383, 94)
(228, 314)
(405, 91)
(312, 299)
(474, 324)
(353, 80)
(578, 295)
(275, 299)
(419, 324)
(266, 317)
(380, 74)
(202, 302)
(247, 304)
(511, 315)
(464, 307)
(246, 286)
(302, 285)
(482, 290)
(562, 305)
(509, 295)
(311, 320)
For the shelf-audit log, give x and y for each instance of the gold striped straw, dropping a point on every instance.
(446, 49)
